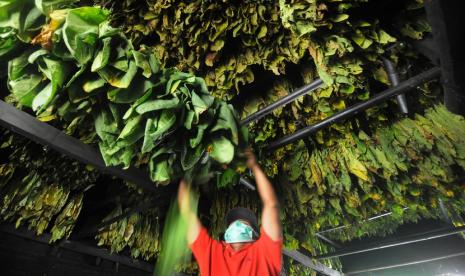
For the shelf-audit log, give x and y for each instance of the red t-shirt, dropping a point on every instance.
(215, 258)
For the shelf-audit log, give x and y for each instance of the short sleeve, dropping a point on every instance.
(272, 249)
(202, 249)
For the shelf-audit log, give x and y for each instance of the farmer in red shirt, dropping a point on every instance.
(246, 250)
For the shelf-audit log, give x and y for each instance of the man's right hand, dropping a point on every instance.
(251, 159)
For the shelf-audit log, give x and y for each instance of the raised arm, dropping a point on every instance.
(193, 222)
(271, 222)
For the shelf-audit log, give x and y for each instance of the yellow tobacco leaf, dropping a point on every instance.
(355, 166)
(47, 118)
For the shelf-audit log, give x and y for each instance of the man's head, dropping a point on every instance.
(241, 213)
(242, 227)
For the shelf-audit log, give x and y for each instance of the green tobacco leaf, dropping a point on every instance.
(199, 105)
(25, 88)
(226, 121)
(17, 67)
(102, 57)
(47, 6)
(156, 128)
(190, 157)
(130, 126)
(22, 16)
(189, 119)
(142, 62)
(80, 31)
(157, 105)
(44, 97)
(8, 44)
(154, 63)
(138, 102)
(228, 178)
(203, 86)
(149, 142)
(397, 211)
(91, 85)
(160, 171)
(195, 141)
(118, 78)
(56, 72)
(10, 11)
(75, 76)
(133, 93)
(227, 113)
(381, 75)
(106, 127)
(222, 150)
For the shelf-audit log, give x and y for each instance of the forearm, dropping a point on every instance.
(264, 187)
(193, 226)
(187, 213)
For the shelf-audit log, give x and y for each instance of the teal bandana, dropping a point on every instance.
(239, 232)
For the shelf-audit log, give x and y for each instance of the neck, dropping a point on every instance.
(236, 246)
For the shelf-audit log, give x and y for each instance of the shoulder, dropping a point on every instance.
(204, 240)
(265, 238)
(267, 244)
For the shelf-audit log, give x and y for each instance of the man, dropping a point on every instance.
(244, 251)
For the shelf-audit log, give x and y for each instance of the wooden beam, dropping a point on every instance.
(79, 247)
(28, 126)
(446, 21)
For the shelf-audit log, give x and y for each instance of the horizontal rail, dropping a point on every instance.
(308, 262)
(412, 239)
(347, 113)
(326, 239)
(448, 256)
(283, 101)
(247, 184)
(369, 219)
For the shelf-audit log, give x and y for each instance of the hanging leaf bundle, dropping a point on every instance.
(381, 226)
(218, 40)
(13, 31)
(229, 43)
(35, 191)
(345, 47)
(144, 114)
(66, 220)
(412, 164)
(140, 232)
